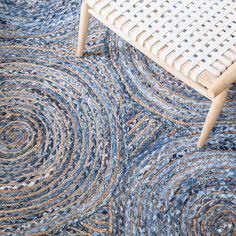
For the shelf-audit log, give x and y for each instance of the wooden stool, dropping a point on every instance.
(194, 40)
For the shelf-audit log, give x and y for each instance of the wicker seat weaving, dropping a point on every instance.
(191, 36)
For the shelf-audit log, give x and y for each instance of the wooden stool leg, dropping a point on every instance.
(214, 112)
(83, 28)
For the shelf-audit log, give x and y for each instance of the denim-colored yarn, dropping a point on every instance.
(104, 144)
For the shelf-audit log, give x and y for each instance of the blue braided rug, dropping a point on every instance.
(104, 144)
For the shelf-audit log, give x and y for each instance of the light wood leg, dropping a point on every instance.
(83, 28)
(214, 112)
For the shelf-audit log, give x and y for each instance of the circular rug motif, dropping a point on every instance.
(20, 18)
(160, 92)
(59, 140)
(179, 190)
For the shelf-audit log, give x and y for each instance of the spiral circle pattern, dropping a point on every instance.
(34, 18)
(59, 140)
(179, 190)
(99, 145)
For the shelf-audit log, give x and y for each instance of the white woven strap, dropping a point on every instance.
(190, 35)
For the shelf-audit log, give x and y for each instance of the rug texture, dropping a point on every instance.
(104, 144)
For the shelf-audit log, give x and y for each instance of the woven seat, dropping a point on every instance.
(191, 36)
(194, 40)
